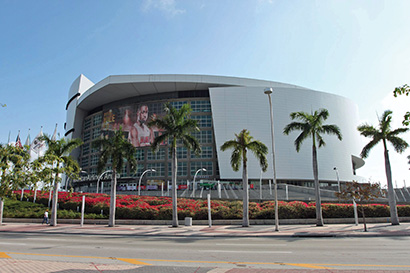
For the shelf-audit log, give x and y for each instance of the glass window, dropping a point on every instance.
(158, 167)
(86, 149)
(201, 106)
(159, 155)
(204, 136)
(208, 165)
(203, 121)
(93, 171)
(178, 104)
(87, 136)
(84, 162)
(182, 152)
(95, 150)
(139, 170)
(207, 152)
(182, 169)
(87, 123)
(139, 154)
(124, 170)
(94, 160)
(157, 108)
(96, 132)
(97, 120)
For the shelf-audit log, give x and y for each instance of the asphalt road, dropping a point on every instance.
(374, 253)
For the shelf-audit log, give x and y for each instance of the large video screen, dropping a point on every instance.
(133, 120)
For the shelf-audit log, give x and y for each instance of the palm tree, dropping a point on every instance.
(312, 126)
(176, 126)
(244, 142)
(115, 149)
(385, 134)
(58, 157)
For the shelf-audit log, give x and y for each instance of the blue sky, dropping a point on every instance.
(357, 49)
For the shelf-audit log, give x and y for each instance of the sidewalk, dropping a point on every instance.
(9, 265)
(329, 230)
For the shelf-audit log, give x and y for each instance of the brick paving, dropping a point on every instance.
(29, 266)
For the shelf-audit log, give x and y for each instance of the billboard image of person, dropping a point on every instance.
(133, 121)
(140, 135)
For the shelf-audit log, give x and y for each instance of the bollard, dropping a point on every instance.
(188, 221)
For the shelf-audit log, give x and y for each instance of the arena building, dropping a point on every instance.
(223, 107)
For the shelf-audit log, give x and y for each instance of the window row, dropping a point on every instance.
(161, 154)
(159, 168)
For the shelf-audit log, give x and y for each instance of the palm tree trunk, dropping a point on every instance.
(53, 221)
(392, 199)
(113, 199)
(319, 217)
(1, 210)
(245, 217)
(174, 187)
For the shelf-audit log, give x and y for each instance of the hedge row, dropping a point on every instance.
(159, 208)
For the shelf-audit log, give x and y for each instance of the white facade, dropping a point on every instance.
(239, 103)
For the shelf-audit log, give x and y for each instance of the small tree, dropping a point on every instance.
(117, 149)
(244, 142)
(360, 192)
(14, 161)
(58, 159)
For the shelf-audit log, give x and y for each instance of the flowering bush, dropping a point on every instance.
(160, 208)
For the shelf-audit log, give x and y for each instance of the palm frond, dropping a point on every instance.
(367, 130)
(366, 149)
(399, 144)
(332, 130)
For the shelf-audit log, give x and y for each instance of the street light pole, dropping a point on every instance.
(338, 181)
(139, 182)
(101, 175)
(269, 91)
(193, 190)
(68, 179)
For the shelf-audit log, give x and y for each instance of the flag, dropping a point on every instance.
(18, 141)
(28, 142)
(38, 146)
(54, 137)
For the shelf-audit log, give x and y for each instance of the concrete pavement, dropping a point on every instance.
(8, 264)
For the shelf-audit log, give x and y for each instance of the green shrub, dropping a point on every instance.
(403, 211)
(68, 214)
(337, 211)
(201, 214)
(165, 213)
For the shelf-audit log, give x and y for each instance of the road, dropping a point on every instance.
(375, 253)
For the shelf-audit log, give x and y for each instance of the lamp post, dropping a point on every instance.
(269, 91)
(99, 178)
(139, 182)
(193, 190)
(69, 180)
(338, 181)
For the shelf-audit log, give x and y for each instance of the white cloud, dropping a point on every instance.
(166, 6)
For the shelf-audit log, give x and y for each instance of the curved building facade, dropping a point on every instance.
(223, 107)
